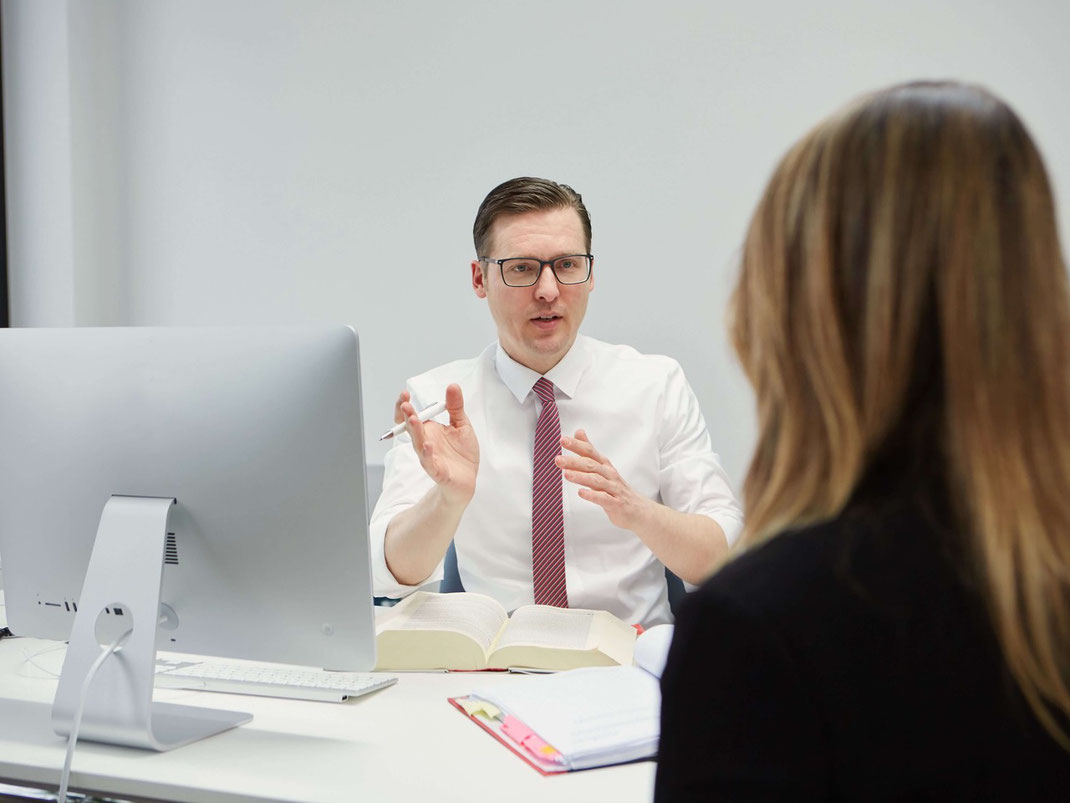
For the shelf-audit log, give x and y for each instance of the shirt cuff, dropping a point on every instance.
(732, 528)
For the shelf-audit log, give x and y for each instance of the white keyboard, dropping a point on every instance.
(267, 681)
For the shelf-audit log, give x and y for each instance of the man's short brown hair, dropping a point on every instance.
(526, 194)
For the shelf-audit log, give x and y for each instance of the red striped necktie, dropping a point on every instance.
(547, 518)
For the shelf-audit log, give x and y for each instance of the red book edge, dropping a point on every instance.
(508, 743)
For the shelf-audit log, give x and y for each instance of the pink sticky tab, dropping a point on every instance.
(528, 739)
(516, 730)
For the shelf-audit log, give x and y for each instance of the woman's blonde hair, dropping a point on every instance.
(903, 287)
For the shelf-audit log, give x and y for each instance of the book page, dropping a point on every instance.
(546, 626)
(477, 616)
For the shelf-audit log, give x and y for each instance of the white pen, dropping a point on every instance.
(423, 415)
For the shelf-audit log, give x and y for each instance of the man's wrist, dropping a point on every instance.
(450, 502)
(647, 516)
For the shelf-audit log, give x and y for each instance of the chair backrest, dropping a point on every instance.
(677, 592)
(451, 578)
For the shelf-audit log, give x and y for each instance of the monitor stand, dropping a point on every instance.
(122, 592)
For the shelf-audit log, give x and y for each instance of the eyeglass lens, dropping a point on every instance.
(523, 272)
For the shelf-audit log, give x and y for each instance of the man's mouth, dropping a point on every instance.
(547, 321)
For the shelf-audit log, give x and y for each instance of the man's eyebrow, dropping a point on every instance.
(562, 254)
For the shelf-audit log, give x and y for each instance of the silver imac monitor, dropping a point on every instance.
(200, 490)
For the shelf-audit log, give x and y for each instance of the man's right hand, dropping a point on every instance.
(449, 454)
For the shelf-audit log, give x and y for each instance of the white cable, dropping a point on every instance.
(73, 739)
(28, 658)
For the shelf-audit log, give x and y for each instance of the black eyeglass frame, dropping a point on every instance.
(543, 263)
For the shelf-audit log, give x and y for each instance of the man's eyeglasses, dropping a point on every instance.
(525, 271)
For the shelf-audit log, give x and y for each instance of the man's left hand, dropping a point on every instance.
(600, 482)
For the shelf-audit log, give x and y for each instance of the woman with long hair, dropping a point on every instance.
(899, 624)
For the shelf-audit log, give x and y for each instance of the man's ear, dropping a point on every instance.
(479, 279)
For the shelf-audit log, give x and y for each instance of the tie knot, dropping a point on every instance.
(544, 389)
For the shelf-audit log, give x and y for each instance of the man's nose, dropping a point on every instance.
(546, 287)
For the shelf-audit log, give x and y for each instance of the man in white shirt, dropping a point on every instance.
(642, 487)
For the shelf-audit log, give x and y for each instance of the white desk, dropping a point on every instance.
(405, 743)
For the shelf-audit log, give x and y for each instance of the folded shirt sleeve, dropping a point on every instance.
(691, 477)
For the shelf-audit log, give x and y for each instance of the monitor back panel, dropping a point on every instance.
(257, 434)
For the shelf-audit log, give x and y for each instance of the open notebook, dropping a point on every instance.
(582, 718)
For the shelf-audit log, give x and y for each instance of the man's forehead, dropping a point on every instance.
(558, 228)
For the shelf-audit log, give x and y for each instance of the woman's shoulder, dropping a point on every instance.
(885, 551)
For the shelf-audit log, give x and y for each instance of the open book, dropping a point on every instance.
(473, 631)
(577, 720)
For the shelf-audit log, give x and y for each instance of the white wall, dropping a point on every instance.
(252, 161)
(37, 163)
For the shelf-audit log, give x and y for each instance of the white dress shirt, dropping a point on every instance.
(638, 410)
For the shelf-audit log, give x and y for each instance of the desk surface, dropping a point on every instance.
(404, 743)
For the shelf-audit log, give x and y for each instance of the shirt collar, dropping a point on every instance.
(565, 375)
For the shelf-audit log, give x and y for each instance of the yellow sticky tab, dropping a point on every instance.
(470, 706)
(473, 706)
